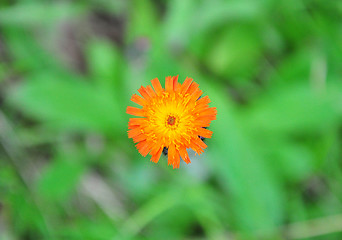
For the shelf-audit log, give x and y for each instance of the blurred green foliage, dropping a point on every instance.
(272, 170)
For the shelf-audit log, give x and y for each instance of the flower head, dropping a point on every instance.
(174, 118)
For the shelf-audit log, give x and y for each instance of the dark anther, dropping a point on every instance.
(165, 151)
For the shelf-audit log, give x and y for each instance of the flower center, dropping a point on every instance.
(171, 120)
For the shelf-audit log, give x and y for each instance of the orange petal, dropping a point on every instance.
(143, 93)
(204, 132)
(134, 132)
(168, 84)
(203, 101)
(199, 109)
(179, 86)
(204, 110)
(208, 112)
(206, 118)
(143, 148)
(195, 147)
(184, 154)
(156, 85)
(171, 154)
(137, 99)
(176, 161)
(150, 91)
(196, 94)
(186, 84)
(175, 82)
(135, 121)
(192, 88)
(156, 156)
(139, 138)
(135, 111)
(202, 122)
(200, 143)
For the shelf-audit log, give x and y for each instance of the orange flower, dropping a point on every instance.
(173, 117)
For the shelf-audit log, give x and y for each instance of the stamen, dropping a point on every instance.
(171, 120)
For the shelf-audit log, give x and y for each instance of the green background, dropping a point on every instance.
(272, 170)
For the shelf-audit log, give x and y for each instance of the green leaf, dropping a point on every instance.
(105, 64)
(60, 178)
(68, 104)
(293, 109)
(35, 13)
(256, 195)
